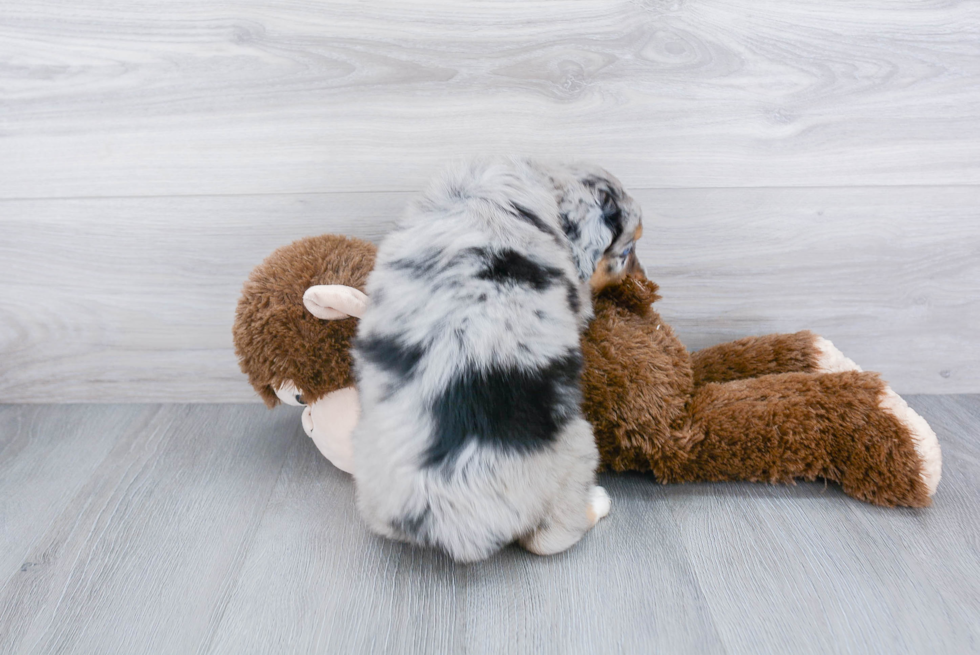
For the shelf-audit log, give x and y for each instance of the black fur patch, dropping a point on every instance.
(432, 262)
(511, 267)
(593, 182)
(390, 354)
(511, 409)
(573, 298)
(608, 199)
(532, 218)
(536, 221)
(569, 227)
(424, 265)
(612, 215)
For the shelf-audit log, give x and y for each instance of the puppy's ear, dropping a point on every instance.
(334, 301)
(612, 214)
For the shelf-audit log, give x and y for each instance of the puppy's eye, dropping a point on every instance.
(626, 253)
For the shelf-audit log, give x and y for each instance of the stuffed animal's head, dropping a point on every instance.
(297, 317)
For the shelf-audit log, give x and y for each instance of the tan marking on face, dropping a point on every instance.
(604, 275)
(633, 267)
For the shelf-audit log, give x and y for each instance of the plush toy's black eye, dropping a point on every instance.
(299, 399)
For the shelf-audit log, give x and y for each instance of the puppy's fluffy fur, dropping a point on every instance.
(468, 358)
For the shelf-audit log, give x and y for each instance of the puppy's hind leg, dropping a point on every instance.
(567, 523)
(578, 504)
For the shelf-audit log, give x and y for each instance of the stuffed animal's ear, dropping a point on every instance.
(334, 301)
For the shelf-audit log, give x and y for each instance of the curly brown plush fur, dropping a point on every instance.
(277, 339)
(755, 409)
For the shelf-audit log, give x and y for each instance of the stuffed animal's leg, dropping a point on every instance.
(801, 352)
(847, 427)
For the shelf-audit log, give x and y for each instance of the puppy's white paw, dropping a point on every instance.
(599, 504)
(923, 437)
(832, 360)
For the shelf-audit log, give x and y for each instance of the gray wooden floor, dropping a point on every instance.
(218, 528)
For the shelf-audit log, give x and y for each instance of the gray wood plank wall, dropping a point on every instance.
(801, 165)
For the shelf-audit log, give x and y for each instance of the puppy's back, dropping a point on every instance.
(468, 363)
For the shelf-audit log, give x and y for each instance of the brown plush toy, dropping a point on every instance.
(768, 409)
(765, 409)
(293, 331)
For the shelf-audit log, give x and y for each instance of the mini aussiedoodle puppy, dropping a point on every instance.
(468, 358)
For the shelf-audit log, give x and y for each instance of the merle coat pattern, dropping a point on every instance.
(468, 358)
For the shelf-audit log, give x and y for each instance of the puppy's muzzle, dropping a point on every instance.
(610, 272)
(633, 266)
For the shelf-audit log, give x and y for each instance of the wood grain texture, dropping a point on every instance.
(110, 300)
(873, 580)
(47, 455)
(185, 97)
(332, 587)
(151, 155)
(626, 588)
(891, 276)
(143, 556)
(336, 589)
(220, 529)
(133, 299)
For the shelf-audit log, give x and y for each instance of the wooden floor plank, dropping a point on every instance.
(316, 581)
(627, 587)
(806, 569)
(220, 529)
(144, 555)
(279, 96)
(336, 588)
(47, 455)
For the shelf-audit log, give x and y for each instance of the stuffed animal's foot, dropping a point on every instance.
(830, 359)
(923, 438)
(599, 504)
